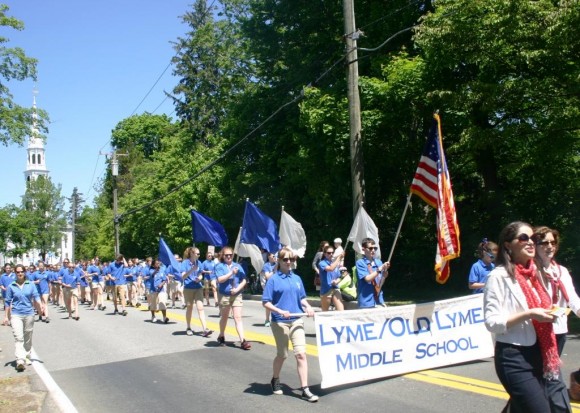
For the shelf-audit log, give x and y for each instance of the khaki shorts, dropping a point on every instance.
(120, 292)
(70, 292)
(289, 332)
(206, 285)
(157, 301)
(331, 293)
(192, 295)
(231, 301)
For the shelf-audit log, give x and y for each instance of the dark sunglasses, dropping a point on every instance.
(329, 252)
(19, 272)
(372, 248)
(228, 255)
(288, 259)
(545, 243)
(523, 238)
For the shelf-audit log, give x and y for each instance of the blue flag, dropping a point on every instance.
(206, 229)
(166, 256)
(259, 229)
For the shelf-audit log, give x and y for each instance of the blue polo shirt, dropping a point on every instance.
(192, 282)
(42, 278)
(21, 298)
(95, 273)
(225, 288)
(84, 280)
(6, 280)
(366, 289)
(326, 277)
(71, 279)
(158, 280)
(118, 271)
(285, 291)
(132, 274)
(209, 265)
(478, 274)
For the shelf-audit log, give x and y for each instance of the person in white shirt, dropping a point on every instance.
(338, 250)
(518, 311)
(556, 280)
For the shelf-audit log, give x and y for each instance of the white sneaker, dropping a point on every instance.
(27, 360)
(20, 365)
(153, 319)
(308, 396)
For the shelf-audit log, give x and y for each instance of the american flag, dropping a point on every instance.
(432, 184)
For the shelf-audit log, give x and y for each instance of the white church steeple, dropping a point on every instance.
(36, 163)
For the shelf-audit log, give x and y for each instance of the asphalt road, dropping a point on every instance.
(111, 363)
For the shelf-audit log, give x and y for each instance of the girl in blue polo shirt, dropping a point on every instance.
(21, 296)
(329, 270)
(284, 296)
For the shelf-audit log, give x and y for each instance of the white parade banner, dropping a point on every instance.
(358, 345)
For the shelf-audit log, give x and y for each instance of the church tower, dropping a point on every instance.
(36, 164)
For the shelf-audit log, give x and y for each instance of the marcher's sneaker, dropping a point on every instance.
(116, 311)
(153, 319)
(27, 360)
(47, 320)
(267, 323)
(221, 341)
(206, 333)
(308, 396)
(124, 313)
(103, 308)
(138, 305)
(246, 345)
(20, 365)
(189, 332)
(276, 386)
(166, 320)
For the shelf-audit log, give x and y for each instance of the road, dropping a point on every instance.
(111, 363)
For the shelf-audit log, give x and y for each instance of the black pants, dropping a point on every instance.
(520, 371)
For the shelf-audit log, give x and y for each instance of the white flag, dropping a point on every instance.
(249, 250)
(363, 227)
(292, 234)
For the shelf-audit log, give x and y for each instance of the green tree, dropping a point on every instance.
(95, 237)
(16, 121)
(43, 216)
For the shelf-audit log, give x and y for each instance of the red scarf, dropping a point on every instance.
(554, 274)
(537, 297)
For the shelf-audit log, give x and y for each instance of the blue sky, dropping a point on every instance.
(97, 60)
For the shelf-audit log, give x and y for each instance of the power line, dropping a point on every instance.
(214, 162)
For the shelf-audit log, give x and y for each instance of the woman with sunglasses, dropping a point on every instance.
(486, 251)
(556, 279)
(371, 273)
(517, 310)
(283, 296)
(232, 280)
(21, 296)
(329, 269)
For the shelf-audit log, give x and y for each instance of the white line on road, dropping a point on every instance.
(61, 399)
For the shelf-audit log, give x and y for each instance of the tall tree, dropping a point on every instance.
(15, 121)
(43, 216)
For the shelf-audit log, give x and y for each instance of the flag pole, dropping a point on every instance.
(399, 228)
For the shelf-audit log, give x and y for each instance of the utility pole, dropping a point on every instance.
(356, 156)
(116, 217)
(76, 201)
